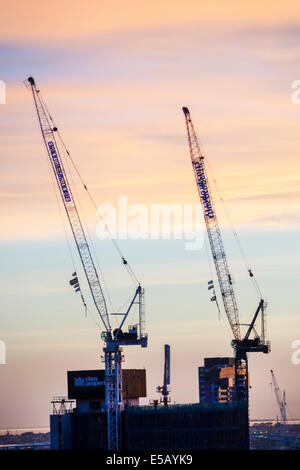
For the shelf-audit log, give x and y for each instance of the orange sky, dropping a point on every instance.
(115, 76)
(256, 173)
(43, 20)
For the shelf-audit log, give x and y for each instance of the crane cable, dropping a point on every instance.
(90, 238)
(247, 265)
(206, 243)
(87, 310)
(124, 261)
(211, 273)
(220, 314)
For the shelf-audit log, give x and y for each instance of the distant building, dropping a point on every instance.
(217, 380)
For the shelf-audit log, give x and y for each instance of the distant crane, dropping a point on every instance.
(241, 345)
(164, 390)
(281, 402)
(113, 339)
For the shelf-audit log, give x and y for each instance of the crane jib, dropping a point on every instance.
(59, 171)
(203, 190)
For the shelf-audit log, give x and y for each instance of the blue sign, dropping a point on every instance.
(88, 382)
(59, 172)
(208, 210)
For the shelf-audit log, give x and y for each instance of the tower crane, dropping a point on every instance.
(281, 402)
(241, 344)
(113, 339)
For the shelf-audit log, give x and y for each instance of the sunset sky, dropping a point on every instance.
(115, 76)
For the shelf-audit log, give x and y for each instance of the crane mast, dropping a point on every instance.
(240, 345)
(113, 340)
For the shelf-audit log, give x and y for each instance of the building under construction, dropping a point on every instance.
(159, 427)
(217, 380)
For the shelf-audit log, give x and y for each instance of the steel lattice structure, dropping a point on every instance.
(213, 230)
(245, 344)
(113, 340)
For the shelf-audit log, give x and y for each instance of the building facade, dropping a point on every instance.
(174, 427)
(216, 380)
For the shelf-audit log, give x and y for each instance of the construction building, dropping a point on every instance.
(217, 380)
(172, 427)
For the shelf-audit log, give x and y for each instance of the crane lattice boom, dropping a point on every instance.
(113, 340)
(245, 344)
(213, 230)
(70, 207)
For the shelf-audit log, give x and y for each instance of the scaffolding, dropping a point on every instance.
(62, 405)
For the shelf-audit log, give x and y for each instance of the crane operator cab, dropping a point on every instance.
(124, 335)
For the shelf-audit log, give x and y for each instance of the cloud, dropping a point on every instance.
(117, 100)
(284, 195)
(54, 19)
(284, 218)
